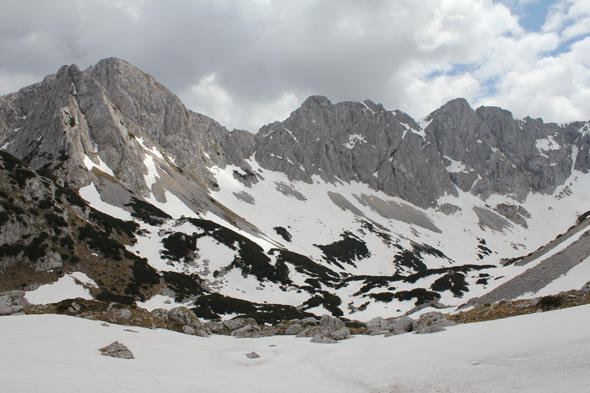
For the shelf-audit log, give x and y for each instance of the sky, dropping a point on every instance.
(247, 63)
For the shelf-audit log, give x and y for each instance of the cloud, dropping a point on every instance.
(247, 63)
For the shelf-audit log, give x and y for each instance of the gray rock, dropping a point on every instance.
(586, 288)
(533, 302)
(123, 314)
(252, 355)
(402, 325)
(341, 334)
(309, 321)
(117, 350)
(12, 302)
(431, 322)
(332, 322)
(293, 329)
(318, 338)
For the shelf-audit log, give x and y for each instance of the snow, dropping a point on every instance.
(91, 195)
(159, 301)
(547, 144)
(455, 166)
(64, 288)
(530, 353)
(101, 165)
(353, 139)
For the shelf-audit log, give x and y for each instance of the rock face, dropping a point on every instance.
(456, 147)
(112, 112)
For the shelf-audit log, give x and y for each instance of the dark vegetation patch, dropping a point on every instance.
(483, 250)
(100, 241)
(326, 299)
(179, 246)
(183, 285)
(453, 281)
(9, 160)
(420, 294)
(582, 217)
(347, 250)
(252, 259)
(147, 212)
(384, 297)
(144, 276)
(215, 305)
(306, 266)
(410, 260)
(413, 259)
(510, 261)
(548, 302)
(111, 224)
(107, 296)
(381, 233)
(283, 233)
(21, 175)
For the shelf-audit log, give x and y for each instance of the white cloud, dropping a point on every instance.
(248, 63)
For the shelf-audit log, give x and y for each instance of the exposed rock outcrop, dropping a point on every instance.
(117, 350)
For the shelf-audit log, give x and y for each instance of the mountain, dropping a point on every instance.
(344, 208)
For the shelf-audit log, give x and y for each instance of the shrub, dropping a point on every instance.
(106, 296)
(550, 301)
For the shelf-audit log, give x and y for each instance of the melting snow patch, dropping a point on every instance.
(547, 144)
(456, 166)
(352, 139)
(65, 288)
(89, 164)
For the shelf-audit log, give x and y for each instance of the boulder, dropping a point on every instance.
(318, 338)
(341, 334)
(332, 322)
(431, 322)
(12, 302)
(293, 329)
(117, 350)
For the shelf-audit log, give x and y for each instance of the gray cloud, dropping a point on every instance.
(246, 63)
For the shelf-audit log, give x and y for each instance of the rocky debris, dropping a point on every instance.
(486, 312)
(12, 302)
(117, 350)
(586, 288)
(252, 355)
(540, 275)
(431, 322)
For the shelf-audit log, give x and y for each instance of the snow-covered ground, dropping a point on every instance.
(545, 352)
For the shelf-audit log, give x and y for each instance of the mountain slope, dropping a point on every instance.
(346, 208)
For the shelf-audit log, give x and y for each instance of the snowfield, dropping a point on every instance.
(544, 352)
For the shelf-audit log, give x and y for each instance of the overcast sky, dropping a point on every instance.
(250, 62)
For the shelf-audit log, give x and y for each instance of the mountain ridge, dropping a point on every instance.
(369, 194)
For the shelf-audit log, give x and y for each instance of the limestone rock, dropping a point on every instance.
(431, 322)
(186, 317)
(318, 338)
(12, 302)
(252, 355)
(117, 350)
(331, 322)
